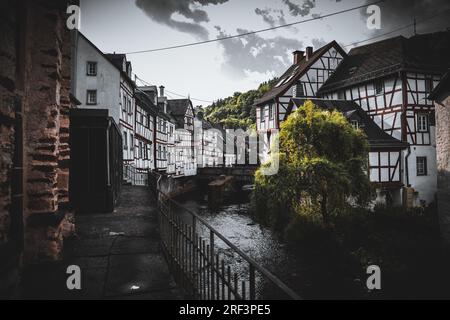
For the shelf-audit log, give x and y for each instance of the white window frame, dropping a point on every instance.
(91, 68)
(422, 122)
(89, 96)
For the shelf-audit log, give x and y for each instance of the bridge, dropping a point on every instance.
(241, 173)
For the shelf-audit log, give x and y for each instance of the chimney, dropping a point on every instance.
(161, 91)
(309, 52)
(298, 56)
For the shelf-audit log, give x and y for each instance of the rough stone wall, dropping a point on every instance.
(443, 166)
(8, 33)
(46, 150)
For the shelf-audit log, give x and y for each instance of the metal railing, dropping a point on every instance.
(206, 264)
(135, 176)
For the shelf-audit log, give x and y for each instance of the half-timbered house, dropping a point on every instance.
(183, 112)
(310, 69)
(385, 152)
(208, 142)
(391, 81)
(127, 103)
(144, 135)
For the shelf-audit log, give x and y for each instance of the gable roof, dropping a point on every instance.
(441, 88)
(114, 59)
(296, 71)
(427, 52)
(145, 102)
(375, 135)
(178, 108)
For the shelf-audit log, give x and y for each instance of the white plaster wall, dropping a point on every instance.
(107, 81)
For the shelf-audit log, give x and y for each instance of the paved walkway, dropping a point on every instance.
(118, 254)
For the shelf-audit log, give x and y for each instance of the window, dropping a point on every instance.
(124, 103)
(130, 111)
(125, 140)
(341, 95)
(261, 114)
(271, 111)
(421, 166)
(378, 86)
(422, 122)
(355, 124)
(299, 92)
(91, 97)
(132, 143)
(428, 85)
(91, 68)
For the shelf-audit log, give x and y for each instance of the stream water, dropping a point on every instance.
(309, 276)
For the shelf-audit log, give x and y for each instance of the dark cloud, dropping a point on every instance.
(398, 13)
(162, 11)
(300, 9)
(272, 17)
(254, 53)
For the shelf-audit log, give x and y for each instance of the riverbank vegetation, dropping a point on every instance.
(322, 163)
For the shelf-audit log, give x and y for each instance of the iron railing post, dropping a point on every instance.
(211, 263)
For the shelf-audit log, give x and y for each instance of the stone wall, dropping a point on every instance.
(35, 63)
(8, 33)
(443, 166)
(46, 125)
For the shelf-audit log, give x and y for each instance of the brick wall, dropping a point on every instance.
(443, 166)
(7, 88)
(46, 149)
(35, 63)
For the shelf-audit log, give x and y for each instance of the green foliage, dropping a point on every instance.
(237, 111)
(323, 163)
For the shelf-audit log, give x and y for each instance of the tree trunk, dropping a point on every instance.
(323, 209)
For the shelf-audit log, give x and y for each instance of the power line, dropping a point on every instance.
(415, 23)
(171, 92)
(257, 31)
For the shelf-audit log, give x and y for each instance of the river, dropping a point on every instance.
(306, 274)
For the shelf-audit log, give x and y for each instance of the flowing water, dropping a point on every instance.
(310, 278)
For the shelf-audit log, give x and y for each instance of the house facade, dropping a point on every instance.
(310, 69)
(103, 81)
(390, 81)
(183, 113)
(441, 98)
(208, 142)
(144, 135)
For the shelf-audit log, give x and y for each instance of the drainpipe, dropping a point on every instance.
(402, 76)
(407, 167)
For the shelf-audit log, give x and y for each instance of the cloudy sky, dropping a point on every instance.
(218, 69)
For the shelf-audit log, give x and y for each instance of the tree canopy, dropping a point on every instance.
(323, 165)
(236, 111)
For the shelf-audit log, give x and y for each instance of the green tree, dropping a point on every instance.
(237, 111)
(323, 166)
